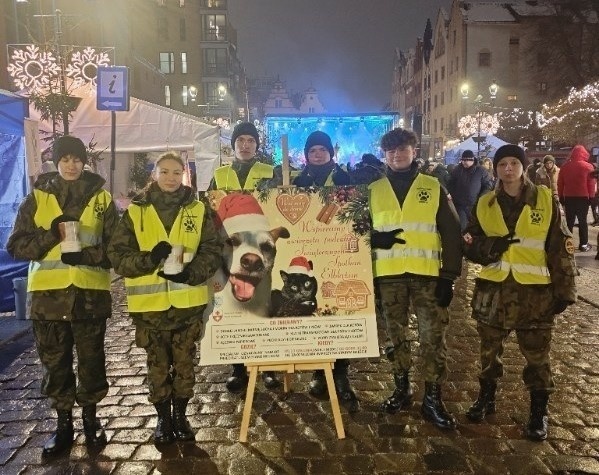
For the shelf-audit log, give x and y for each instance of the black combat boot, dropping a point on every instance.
(62, 439)
(163, 434)
(238, 381)
(433, 408)
(402, 396)
(485, 404)
(537, 423)
(318, 385)
(345, 393)
(92, 428)
(181, 427)
(270, 380)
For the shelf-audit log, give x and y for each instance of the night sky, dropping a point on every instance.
(342, 48)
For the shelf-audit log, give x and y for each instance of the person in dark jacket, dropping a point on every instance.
(166, 297)
(417, 255)
(517, 233)
(367, 170)
(69, 289)
(321, 169)
(576, 187)
(467, 183)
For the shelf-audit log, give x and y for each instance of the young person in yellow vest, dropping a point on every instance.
(244, 174)
(417, 255)
(518, 234)
(245, 171)
(321, 168)
(69, 286)
(166, 247)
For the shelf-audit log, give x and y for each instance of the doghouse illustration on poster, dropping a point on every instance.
(296, 280)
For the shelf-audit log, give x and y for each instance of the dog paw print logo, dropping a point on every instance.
(98, 210)
(189, 225)
(217, 316)
(535, 218)
(424, 196)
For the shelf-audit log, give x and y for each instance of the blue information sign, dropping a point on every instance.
(113, 88)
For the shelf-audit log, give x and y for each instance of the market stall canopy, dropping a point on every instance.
(488, 146)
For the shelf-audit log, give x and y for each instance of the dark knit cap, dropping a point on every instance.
(319, 138)
(509, 150)
(245, 128)
(548, 158)
(67, 144)
(467, 154)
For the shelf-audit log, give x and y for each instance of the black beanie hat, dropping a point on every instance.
(319, 138)
(509, 150)
(467, 154)
(245, 128)
(67, 144)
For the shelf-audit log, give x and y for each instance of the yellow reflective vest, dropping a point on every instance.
(151, 293)
(226, 178)
(50, 273)
(421, 254)
(527, 259)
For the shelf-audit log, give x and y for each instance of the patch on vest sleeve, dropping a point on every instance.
(569, 245)
(467, 238)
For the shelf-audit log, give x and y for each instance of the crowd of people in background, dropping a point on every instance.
(497, 212)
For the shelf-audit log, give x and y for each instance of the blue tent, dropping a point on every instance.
(13, 187)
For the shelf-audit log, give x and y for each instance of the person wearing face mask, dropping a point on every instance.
(417, 255)
(166, 302)
(519, 236)
(245, 173)
(467, 183)
(69, 286)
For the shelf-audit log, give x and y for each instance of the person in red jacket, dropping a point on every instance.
(575, 187)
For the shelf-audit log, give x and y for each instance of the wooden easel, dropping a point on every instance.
(289, 368)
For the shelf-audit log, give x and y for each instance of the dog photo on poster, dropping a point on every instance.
(296, 280)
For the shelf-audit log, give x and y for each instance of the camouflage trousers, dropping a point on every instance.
(170, 360)
(55, 341)
(534, 345)
(432, 320)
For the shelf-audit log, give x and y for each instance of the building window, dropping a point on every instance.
(182, 31)
(212, 95)
(442, 73)
(512, 97)
(442, 124)
(215, 61)
(167, 95)
(167, 63)
(215, 27)
(514, 41)
(442, 97)
(183, 63)
(435, 102)
(454, 37)
(162, 28)
(484, 58)
(436, 76)
(435, 126)
(457, 64)
(185, 95)
(181, 3)
(278, 103)
(542, 88)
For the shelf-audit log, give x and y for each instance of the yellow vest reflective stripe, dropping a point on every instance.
(421, 254)
(50, 273)
(526, 260)
(226, 178)
(151, 293)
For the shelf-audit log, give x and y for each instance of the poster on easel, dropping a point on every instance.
(296, 280)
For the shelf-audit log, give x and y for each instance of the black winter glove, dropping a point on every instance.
(385, 239)
(559, 306)
(502, 243)
(63, 218)
(180, 278)
(444, 292)
(160, 251)
(72, 258)
(303, 180)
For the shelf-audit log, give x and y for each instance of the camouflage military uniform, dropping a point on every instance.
(169, 336)
(69, 317)
(500, 307)
(399, 291)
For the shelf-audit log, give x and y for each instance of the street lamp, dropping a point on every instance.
(478, 104)
(193, 93)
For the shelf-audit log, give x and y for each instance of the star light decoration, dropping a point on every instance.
(34, 68)
(468, 125)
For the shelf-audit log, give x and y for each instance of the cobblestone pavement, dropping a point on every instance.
(295, 434)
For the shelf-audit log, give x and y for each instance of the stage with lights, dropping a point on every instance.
(352, 135)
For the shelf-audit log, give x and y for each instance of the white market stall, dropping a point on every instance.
(488, 146)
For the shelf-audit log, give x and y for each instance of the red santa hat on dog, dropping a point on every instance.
(300, 265)
(238, 212)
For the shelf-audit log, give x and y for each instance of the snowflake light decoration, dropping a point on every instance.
(489, 125)
(32, 68)
(83, 67)
(468, 125)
